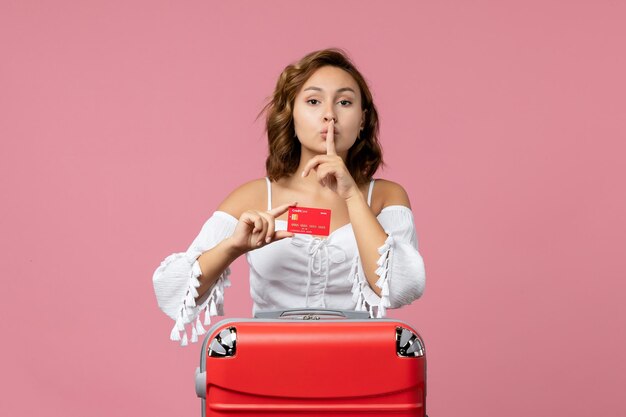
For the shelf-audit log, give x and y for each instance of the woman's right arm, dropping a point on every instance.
(186, 283)
(213, 263)
(177, 279)
(254, 230)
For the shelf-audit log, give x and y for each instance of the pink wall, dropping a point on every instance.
(504, 121)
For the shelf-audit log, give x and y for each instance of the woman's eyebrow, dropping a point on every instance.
(341, 90)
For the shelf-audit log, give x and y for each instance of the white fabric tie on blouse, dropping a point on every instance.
(318, 251)
(277, 271)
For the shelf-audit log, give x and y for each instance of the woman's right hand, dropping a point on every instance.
(256, 229)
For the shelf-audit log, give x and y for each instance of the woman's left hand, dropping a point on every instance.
(331, 170)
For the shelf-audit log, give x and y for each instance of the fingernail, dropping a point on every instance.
(267, 239)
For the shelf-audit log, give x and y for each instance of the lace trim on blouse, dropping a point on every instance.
(359, 282)
(188, 310)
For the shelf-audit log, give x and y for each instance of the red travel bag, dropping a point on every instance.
(312, 362)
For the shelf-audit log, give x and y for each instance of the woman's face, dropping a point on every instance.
(329, 93)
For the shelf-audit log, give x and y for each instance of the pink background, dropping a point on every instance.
(124, 124)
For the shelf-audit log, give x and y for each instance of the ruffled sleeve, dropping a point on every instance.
(400, 266)
(176, 281)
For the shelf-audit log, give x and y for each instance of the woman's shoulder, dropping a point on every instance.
(250, 195)
(388, 193)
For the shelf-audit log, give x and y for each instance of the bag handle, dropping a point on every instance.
(312, 314)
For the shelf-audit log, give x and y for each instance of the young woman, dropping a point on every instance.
(322, 129)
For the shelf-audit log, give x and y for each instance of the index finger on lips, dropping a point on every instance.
(330, 139)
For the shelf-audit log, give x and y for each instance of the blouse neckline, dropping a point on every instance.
(345, 226)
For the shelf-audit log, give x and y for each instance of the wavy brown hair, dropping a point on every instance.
(364, 157)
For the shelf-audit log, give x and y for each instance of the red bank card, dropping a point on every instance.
(308, 220)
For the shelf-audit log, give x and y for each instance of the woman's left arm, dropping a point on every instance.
(377, 243)
(388, 245)
(369, 235)
(391, 275)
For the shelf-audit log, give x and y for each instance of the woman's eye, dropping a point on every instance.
(312, 99)
(345, 102)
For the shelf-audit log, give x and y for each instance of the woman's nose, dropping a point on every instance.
(330, 115)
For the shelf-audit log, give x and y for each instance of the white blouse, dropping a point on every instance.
(303, 271)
